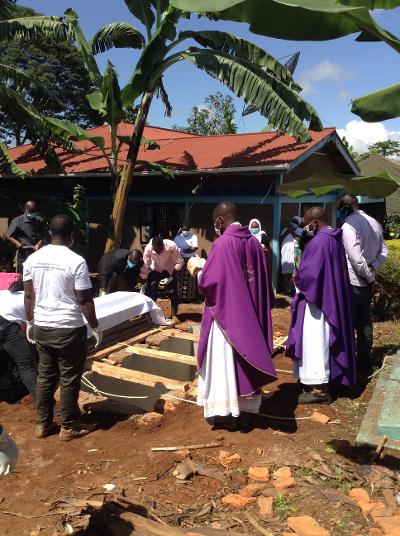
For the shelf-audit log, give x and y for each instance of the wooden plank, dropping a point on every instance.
(104, 352)
(194, 337)
(168, 356)
(134, 376)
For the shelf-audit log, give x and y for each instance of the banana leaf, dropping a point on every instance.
(374, 186)
(379, 105)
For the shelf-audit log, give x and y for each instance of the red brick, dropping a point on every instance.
(306, 526)
(266, 506)
(260, 474)
(237, 501)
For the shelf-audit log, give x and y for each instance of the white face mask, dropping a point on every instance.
(310, 232)
(216, 228)
(185, 234)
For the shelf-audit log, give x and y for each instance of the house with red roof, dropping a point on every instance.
(243, 168)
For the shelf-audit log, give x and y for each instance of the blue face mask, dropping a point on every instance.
(130, 264)
(255, 230)
(185, 234)
(30, 215)
(341, 215)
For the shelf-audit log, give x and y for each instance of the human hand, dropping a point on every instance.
(30, 324)
(8, 453)
(98, 335)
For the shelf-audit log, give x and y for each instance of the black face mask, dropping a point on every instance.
(304, 240)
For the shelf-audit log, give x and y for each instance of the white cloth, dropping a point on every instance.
(8, 453)
(118, 307)
(185, 243)
(287, 254)
(217, 389)
(314, 369)
(56, 272)
(364, 246)
(111, 309)
(12, 306)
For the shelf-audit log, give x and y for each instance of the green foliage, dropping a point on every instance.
(57, 66)
(387, 295)
(388, 148)
(392, 226)
(214, 118)
(283, 506)
(378, 105)
(75, 208)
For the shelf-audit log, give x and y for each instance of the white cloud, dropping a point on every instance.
(344, 94)
(325, 70)
(360, 134)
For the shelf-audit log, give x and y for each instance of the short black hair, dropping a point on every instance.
(17, 285)
(62, 225)
(158, 241)
(135, 254)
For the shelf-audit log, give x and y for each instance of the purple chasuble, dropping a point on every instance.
(323, 280)
(237, 290)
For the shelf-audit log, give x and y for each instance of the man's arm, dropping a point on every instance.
(86, 304)
(177, 259)
(144, 271)
(38, 245)
(29, 300)
(382, 254)
(352, 246)
(10, 231)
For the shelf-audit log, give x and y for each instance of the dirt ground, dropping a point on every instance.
(323, 459)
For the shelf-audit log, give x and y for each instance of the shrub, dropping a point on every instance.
(387, 296)
(392, 226)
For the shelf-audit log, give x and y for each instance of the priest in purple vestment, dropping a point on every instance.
(234, 354)
(321, 338)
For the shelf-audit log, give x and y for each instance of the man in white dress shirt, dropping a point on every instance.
(366, 251)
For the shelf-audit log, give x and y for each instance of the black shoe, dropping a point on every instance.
(224, 423)
(315, 397)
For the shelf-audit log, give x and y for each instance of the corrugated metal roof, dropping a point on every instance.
(180, 151)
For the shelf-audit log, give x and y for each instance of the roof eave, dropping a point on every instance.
(252, 170)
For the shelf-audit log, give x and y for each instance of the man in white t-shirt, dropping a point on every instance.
(57, 297)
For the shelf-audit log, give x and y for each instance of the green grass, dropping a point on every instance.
(283, 506)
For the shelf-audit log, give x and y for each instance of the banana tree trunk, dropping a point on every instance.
(126, 178)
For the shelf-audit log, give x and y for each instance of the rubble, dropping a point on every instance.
(260, 474)
(306, 526)
(235, 500)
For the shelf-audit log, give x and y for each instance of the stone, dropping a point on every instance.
(260, 474)
(228, 459)
(282, 472)
(389, 524)
(164, 406)
(150, 418)
(320, 418)
(284, 483)
(237, 501)
(359, 494)
(252, 490)
(306, 526)
(266, 506)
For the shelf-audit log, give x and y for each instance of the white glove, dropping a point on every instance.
(98, 335)
(102, 292)
(8, 453)
(29, 331)
(166, 281)
(142, 289)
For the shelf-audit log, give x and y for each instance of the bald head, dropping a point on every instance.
(315, 213)
(225, 208)
(30, 206)
(224, 214)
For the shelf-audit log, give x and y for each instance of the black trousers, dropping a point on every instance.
(171, 290)
(362, 299)
(21, 353)
(22, 255)
(62, 354)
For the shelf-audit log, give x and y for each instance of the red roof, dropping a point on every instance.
(180, 151)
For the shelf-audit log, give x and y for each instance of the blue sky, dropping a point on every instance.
(331, 72)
